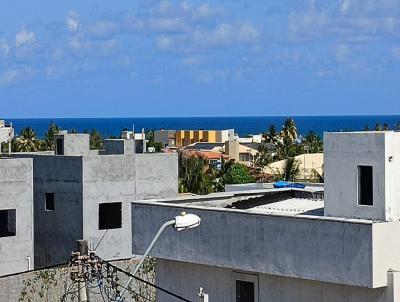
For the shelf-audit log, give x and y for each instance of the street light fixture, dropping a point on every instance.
(180, 223)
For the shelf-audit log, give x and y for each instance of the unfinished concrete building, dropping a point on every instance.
(81, 193)
(284, 245)
(16, 215)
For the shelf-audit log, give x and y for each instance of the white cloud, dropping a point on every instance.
(24, 37)
(396, 53)
(72, 21)
(8, 76)
(248, 33)
(163, 42)
(4, 48)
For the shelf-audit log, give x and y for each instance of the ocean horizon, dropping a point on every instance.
(243, 125)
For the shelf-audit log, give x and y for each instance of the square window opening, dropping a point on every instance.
(110, 215)
(7, 223)
(365, 186)
(49, 204)
(245, 291)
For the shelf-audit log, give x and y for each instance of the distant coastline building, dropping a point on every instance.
(6, 133)
(182, 138)
(283, 245)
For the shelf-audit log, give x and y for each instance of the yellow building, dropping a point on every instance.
(187, 137)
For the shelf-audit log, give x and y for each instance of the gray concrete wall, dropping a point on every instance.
(108, 178)
(185, 279)
(156, 175)
(325, 250)
(16, 192)
(119, 146)
(74, 144)
(56, 231)
(343, 153)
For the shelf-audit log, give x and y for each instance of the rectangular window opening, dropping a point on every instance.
(59, 146)
(110, 215)
(245, 291)
(7, 223)
(49, 204)
(365, 186)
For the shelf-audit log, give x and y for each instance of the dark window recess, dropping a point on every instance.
(110, 215)
(7, 223)
(49, 206)
(365, 186)
(59, 146)
(244, 291)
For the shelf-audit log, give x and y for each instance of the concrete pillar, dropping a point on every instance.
(393, 289)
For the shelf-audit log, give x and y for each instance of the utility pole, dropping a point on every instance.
(79, 272)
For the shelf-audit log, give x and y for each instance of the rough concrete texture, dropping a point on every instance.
(220, 283)
(343, 153)
(156, 175)
(56, 231)
(108, 178)
(119, 146)
(16, 192)
(315, 249)
(74, 144)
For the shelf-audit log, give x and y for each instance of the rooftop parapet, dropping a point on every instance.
(362, 172)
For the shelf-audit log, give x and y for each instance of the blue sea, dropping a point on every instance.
(243, 125)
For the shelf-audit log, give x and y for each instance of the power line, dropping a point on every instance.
(149, 283)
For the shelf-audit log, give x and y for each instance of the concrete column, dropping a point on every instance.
(393, 289)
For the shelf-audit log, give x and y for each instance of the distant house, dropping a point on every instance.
(215, 147)
(6, 133)
(212, 158)
(182, 138)
(244, 153)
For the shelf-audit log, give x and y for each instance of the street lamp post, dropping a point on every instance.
(180, 223)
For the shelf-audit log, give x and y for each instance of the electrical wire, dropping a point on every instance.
(148, 283)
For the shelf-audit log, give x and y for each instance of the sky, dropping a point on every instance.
(141, 58)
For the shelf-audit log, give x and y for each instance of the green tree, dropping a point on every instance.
(192, 177)
(96, 141)
(48, 143)
(26, 141)
(289, 129)
(150, 141)
(312, 143)
(386, 127)
(378, 127)
(272, 135)
(238, 174)
(290, 170)
(398, 125)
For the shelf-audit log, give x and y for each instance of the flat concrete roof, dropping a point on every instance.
(299, 203)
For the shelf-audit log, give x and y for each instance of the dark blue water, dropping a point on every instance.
(242, 125)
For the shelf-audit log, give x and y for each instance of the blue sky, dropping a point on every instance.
(199, 58)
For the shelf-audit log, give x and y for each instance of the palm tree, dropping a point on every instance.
(290, 170)
(289, 129)
(48, 143)
(386, 127)
(378, 127)
(192, 177)
(272, 136)
(312, 143)
(398, 125)
(26, 141)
